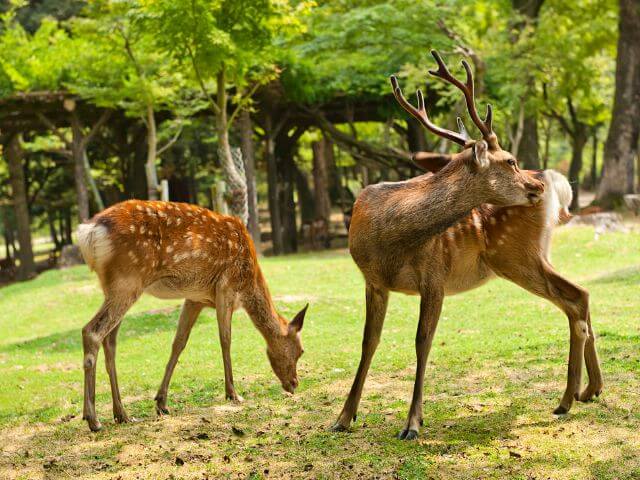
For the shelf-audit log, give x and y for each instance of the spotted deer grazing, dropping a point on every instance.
(394, 225)
(176, 250)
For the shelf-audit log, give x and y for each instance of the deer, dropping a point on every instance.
(178, 251)
(395, 225)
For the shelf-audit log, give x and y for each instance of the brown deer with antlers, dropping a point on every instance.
(176, 250)
(395, 239)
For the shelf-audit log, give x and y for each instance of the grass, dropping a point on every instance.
(496, 371)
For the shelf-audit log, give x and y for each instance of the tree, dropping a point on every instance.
(621, 147)
(227, 45)
(118, 66)
(14, 155)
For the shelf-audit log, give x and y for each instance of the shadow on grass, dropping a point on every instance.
(71, 340)
(629, 275)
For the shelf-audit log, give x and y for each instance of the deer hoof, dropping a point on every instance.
(94, 424)
(408, 434)
(561, 410)
(162, 410)
(122, 418)
(235, 398)
(338, 427)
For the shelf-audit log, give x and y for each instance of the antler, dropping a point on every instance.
(467, 88)
(420, 114)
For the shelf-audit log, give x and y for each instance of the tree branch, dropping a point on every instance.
(96, 126)
(52, 126)
(170, 143)
(242, 102)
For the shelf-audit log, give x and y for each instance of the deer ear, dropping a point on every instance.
(481, 154)
(295, 325)
(430, 161)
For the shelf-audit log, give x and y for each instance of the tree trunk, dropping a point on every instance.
(594, 159)
(284, 152)
(621, 145)
(305, 197)
(248, 156)
(321, 179)
(51, 219)
(67, 226)
(14, 155)
(528, 148)
(272, 183)
(288, 205)
(7, 229)
(236, 182)
(152, 149)
(528, 145)
(577, 148)
(416, 139)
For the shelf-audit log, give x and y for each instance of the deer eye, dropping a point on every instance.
(511, 162)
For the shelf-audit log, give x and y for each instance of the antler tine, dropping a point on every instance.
(468, 89)
(462, 129)
(421, 115)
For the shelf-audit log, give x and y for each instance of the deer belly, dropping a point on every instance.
(467, 277)
(170, 290)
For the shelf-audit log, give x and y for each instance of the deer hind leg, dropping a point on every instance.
(594, 388)
(107, 318)
(540, 278)
(188, 317)
(109, 346)
(224, 312)
(377, 300)
(430, 308)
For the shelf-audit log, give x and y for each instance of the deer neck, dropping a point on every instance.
(257, 302)
(435, 202)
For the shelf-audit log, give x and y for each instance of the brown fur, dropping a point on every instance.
(388, 244)
(176, 250)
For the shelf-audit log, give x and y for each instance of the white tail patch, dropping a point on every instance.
(95, 244)
(557, 197)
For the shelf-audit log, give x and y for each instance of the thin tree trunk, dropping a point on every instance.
(621, 146)
(7, 230)
(577, 146)
(272, 184)
(321, 179)
(14, 155)
(248, 156)
(52, 230)
(236, 183)
(152, 149)
(594, 159)
(67, 226)
(305, 197)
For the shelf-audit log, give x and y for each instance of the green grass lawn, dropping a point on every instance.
(496, 371)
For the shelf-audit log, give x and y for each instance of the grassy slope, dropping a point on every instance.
(496, 371)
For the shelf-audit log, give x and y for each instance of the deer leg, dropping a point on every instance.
(540, 278)
(594, 388)
(109, 346)
(376, 309)
(224, 312)
(188, 317)
(107, 318)
(430, 308)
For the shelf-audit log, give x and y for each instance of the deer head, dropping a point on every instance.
(496, 169)
(284, 352)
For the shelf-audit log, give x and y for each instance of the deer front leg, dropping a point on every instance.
(109, 346)
(430, 308)
(188, 317)
(376, 309)
(224, 312)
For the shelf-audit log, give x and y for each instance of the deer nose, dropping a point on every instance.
(534, 187)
